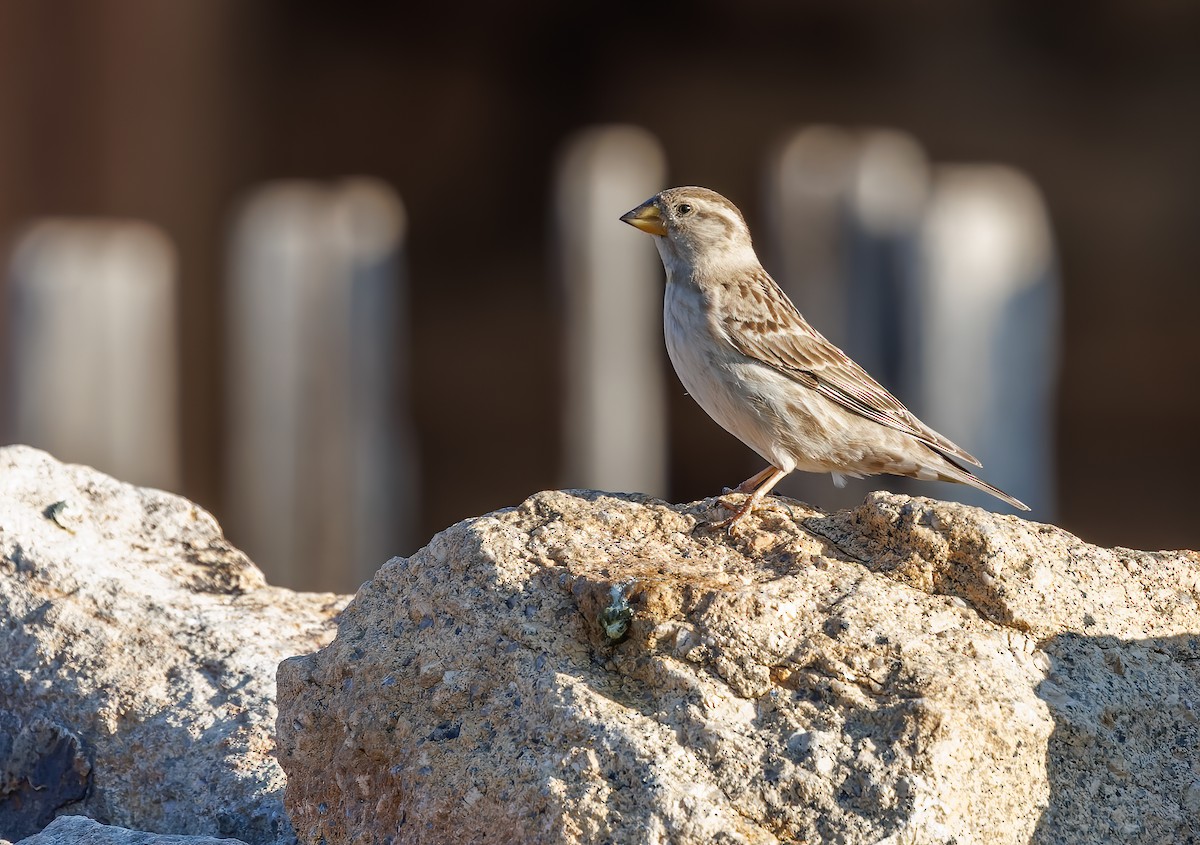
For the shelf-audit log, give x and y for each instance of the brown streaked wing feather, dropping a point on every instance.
(788, 343)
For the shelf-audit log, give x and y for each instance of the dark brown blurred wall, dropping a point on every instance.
(168, 111)
(132, 109)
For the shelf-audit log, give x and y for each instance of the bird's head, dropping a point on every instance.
(694, 228)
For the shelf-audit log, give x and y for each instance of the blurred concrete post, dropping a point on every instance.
(844, 208)
(808, 183)
(984, 351)
(615, 414)
(886, 205)
(93, 347)
(321, 469)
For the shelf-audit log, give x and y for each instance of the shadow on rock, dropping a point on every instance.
(1122, 761)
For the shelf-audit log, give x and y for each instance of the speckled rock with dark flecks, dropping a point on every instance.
(137, 660)
(906, 672)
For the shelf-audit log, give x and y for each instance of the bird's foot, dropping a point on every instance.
(732, 522)
(758, 486)
(743, 510)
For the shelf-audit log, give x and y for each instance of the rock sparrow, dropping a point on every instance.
(744, 352)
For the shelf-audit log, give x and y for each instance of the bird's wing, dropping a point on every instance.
(781, 338)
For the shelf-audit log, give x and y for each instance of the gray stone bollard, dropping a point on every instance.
(982, 360)
(940, 281)
(92, 358)
(320, 465)
(615, 413)
(844, 208)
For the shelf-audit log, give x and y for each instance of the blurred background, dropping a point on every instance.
(345, 275)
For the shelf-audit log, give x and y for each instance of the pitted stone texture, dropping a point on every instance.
(137, 659)
(80, 830)
(907, 672)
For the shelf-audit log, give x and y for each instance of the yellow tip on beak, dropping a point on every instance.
(648, 218)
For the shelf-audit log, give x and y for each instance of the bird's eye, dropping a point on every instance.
(683, 210)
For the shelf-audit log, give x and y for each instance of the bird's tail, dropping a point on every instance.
(962, 475)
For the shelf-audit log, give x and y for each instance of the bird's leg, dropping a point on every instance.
(751, 483)
(772, 477)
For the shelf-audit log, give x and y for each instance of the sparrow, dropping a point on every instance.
(754, 364)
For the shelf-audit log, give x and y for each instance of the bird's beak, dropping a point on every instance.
(648, 218)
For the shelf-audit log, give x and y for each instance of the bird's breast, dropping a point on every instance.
(718, 377)
(689, 331)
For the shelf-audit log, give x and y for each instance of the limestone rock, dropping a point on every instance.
(137, 659)
(80, 830)
(590, 668)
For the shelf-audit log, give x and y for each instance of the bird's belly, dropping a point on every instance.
(725, 383)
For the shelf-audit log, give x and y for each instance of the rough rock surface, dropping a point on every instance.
(137, 659)
(906, 672)
(80, 830)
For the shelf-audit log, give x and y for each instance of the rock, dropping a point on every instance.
(596, 668)
(80, 830)
(590, 668)
(137, 659)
